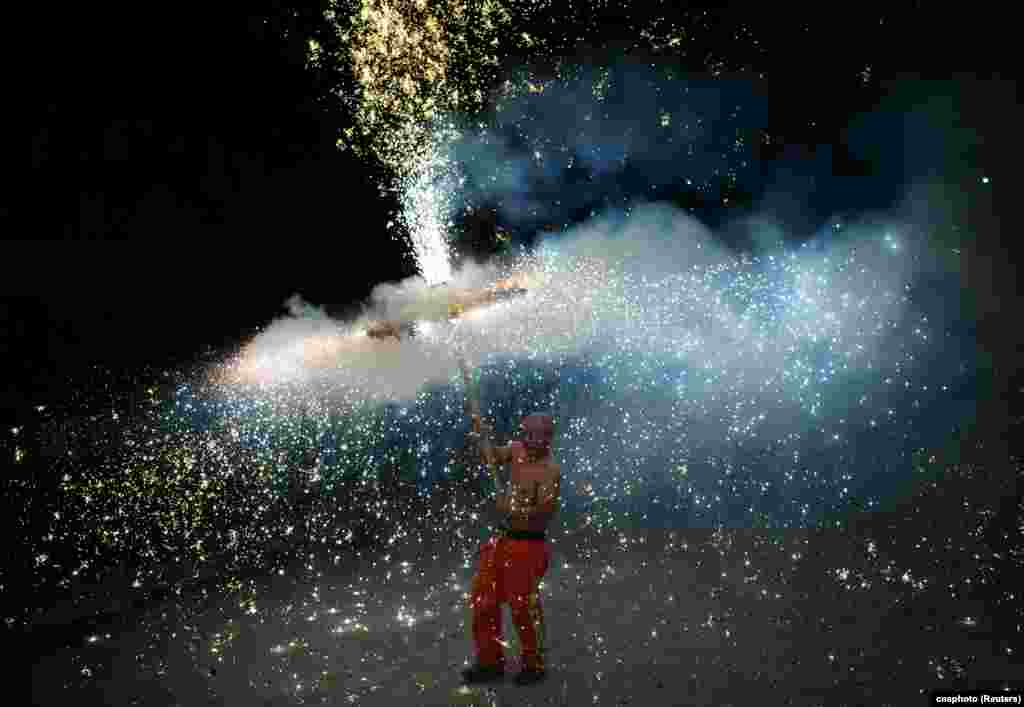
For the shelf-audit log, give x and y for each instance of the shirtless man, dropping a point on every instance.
(513, 561)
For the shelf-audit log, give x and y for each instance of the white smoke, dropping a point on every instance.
(636, 282)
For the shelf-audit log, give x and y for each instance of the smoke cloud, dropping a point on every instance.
(602, 135)
(661, 350)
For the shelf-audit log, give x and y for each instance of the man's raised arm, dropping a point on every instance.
(489, 453)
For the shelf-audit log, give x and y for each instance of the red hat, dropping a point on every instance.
(538, 430)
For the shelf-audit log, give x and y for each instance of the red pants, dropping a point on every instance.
(509, 572)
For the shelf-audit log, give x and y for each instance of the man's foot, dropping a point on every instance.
(482, 674)
(529, 677)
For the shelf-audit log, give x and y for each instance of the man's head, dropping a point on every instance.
(538, 430)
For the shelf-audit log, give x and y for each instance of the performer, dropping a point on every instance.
(513, 561)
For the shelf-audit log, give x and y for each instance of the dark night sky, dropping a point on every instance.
(183, 185)
(184, 181)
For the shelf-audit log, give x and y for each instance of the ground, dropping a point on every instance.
(643, 618)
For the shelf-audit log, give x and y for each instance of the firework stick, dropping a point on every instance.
(473, 405)
(472, 401)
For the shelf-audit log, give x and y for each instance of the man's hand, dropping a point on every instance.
(489, 454)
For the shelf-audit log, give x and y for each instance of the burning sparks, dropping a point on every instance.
(692, 388)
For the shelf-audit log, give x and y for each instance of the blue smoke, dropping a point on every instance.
(553, 156)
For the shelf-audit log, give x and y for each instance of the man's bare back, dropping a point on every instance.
(533, 492)
(534, 488)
